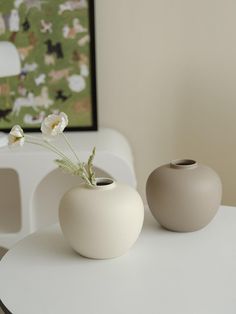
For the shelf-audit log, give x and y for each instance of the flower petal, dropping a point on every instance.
(16, 136)
(54, 124)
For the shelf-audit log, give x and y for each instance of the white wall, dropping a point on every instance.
(167, 80)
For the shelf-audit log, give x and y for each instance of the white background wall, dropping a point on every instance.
(167, 80)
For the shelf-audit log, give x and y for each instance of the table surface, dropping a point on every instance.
(165, 272)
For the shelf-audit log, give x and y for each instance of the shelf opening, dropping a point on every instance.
(10, 201)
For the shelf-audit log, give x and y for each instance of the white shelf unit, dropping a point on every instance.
(31, 185)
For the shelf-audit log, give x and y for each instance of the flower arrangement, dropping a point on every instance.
(52, 126)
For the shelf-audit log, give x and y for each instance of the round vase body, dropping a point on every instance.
(183, 195)
(103, 221)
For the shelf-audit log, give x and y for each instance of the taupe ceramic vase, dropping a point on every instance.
(184, 195)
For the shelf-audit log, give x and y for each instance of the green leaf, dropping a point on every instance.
(66, 166)
(91, 172)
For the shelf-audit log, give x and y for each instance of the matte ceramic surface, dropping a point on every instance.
(184, 195)
(101, 222)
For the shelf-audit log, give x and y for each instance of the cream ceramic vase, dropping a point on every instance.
(103, 221)
(183, 195)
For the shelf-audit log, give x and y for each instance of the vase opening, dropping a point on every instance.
(183, 163)
(104, 181)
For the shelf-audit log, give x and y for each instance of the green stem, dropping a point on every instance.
(87, 180)
(49, 145)
(57, 151)
(54, 150)
(76, 156)
(44, 146)
(34, 140)
(33, 137)
(71, 147)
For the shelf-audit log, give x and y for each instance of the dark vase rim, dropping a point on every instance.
(104, 181)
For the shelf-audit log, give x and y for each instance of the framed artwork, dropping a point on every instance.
(56, 44)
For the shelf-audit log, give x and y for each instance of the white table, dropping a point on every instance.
(164, 273)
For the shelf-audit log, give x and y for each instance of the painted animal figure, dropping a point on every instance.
(54, 48)
(49, 60)
(24, 52)
(34, 119)
(40, 79)
(66, 32)
(84, 40)
(84, 69)
(78, 27)
(71, 32)
(43, 100)
(29, 67)
(46, 27)
(22, 76)
(14, 21)
(61, 96)
(4, 113)
(26, 25)
(58, 75)
(72, 5)
(83, 59)
(20, 102)
(22, 90)
(83, 62)
(32, 101)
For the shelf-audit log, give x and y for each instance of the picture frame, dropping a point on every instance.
(56, 43)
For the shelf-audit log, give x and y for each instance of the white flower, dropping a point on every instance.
(54, 124)
(16, 136)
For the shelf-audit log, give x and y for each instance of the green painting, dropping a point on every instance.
(55, 42)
